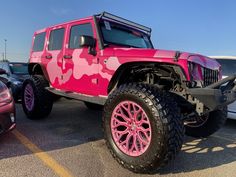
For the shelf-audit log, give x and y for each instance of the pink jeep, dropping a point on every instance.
(151, 97)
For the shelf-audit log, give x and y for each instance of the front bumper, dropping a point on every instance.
(7, 117)
(217, 95)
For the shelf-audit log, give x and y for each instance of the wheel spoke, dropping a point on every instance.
(140, 138)
(136, 113)
(118, 123)
(127, 110)
(123, 116)
(134, 146)
(142, 129)
(125, 143)
(29, 97)
(119, 134)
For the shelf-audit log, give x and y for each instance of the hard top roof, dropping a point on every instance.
(105, 15)
(65, 23)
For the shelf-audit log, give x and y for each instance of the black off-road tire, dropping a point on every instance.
(214, 122)
(93, 106)
(166, 126)
(43, 99)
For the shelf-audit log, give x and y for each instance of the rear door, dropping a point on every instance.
(38, 47)
(53, 56)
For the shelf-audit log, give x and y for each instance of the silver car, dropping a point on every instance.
(228, 64)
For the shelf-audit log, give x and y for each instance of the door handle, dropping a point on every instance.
(67, 56)
(48, 56)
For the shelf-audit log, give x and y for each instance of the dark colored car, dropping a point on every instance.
(7, 109)
(14, 75)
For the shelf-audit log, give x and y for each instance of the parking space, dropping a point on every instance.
(70, 143)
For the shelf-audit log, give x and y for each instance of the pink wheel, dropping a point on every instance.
(29, 97)
(36, 100)
(131, 129)
(142, 127)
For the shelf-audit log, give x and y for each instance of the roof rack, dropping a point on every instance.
(124, 21)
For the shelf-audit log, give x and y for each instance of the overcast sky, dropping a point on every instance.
(201, 26)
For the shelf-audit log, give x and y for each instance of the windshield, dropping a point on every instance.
(19, 68)
(228, 66)
(121, 35)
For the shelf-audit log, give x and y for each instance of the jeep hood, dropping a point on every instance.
(166, 54)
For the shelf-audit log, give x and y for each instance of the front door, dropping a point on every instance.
(80, 69)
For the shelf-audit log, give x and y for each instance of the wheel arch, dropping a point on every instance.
(37, 69)
(122, 73)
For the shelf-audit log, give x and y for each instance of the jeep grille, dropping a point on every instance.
(210, 76)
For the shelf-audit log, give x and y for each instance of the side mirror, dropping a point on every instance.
(90, 42)
(87, 41)
(2, 71)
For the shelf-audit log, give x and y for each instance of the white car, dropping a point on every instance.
(228, 64)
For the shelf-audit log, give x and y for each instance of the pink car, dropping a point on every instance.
(149, 95)
(7, 109)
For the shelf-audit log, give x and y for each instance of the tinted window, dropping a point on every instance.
(56, 39)
(76, 32)
(117, 34)
(39, 42)
(228, 66)
(19, 68)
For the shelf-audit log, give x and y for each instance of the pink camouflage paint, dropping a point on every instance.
(91, 75)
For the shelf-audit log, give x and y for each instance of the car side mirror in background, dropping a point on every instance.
(88, 41)
(2, 71)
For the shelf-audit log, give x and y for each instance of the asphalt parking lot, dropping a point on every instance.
(70, 143)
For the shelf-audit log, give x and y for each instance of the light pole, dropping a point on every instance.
(5, 49)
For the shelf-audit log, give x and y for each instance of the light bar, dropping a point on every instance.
(124, 21)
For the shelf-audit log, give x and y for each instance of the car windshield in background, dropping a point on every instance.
(19, 68)
(228, 66)
(121, 35)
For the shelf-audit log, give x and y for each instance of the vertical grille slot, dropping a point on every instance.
(210, 76)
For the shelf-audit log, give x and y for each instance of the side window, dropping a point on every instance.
(56, 39)
(39, 42)
(78, 30)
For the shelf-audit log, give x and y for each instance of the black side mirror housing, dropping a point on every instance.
(87, 41)
(2, 71)
(90, 42)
